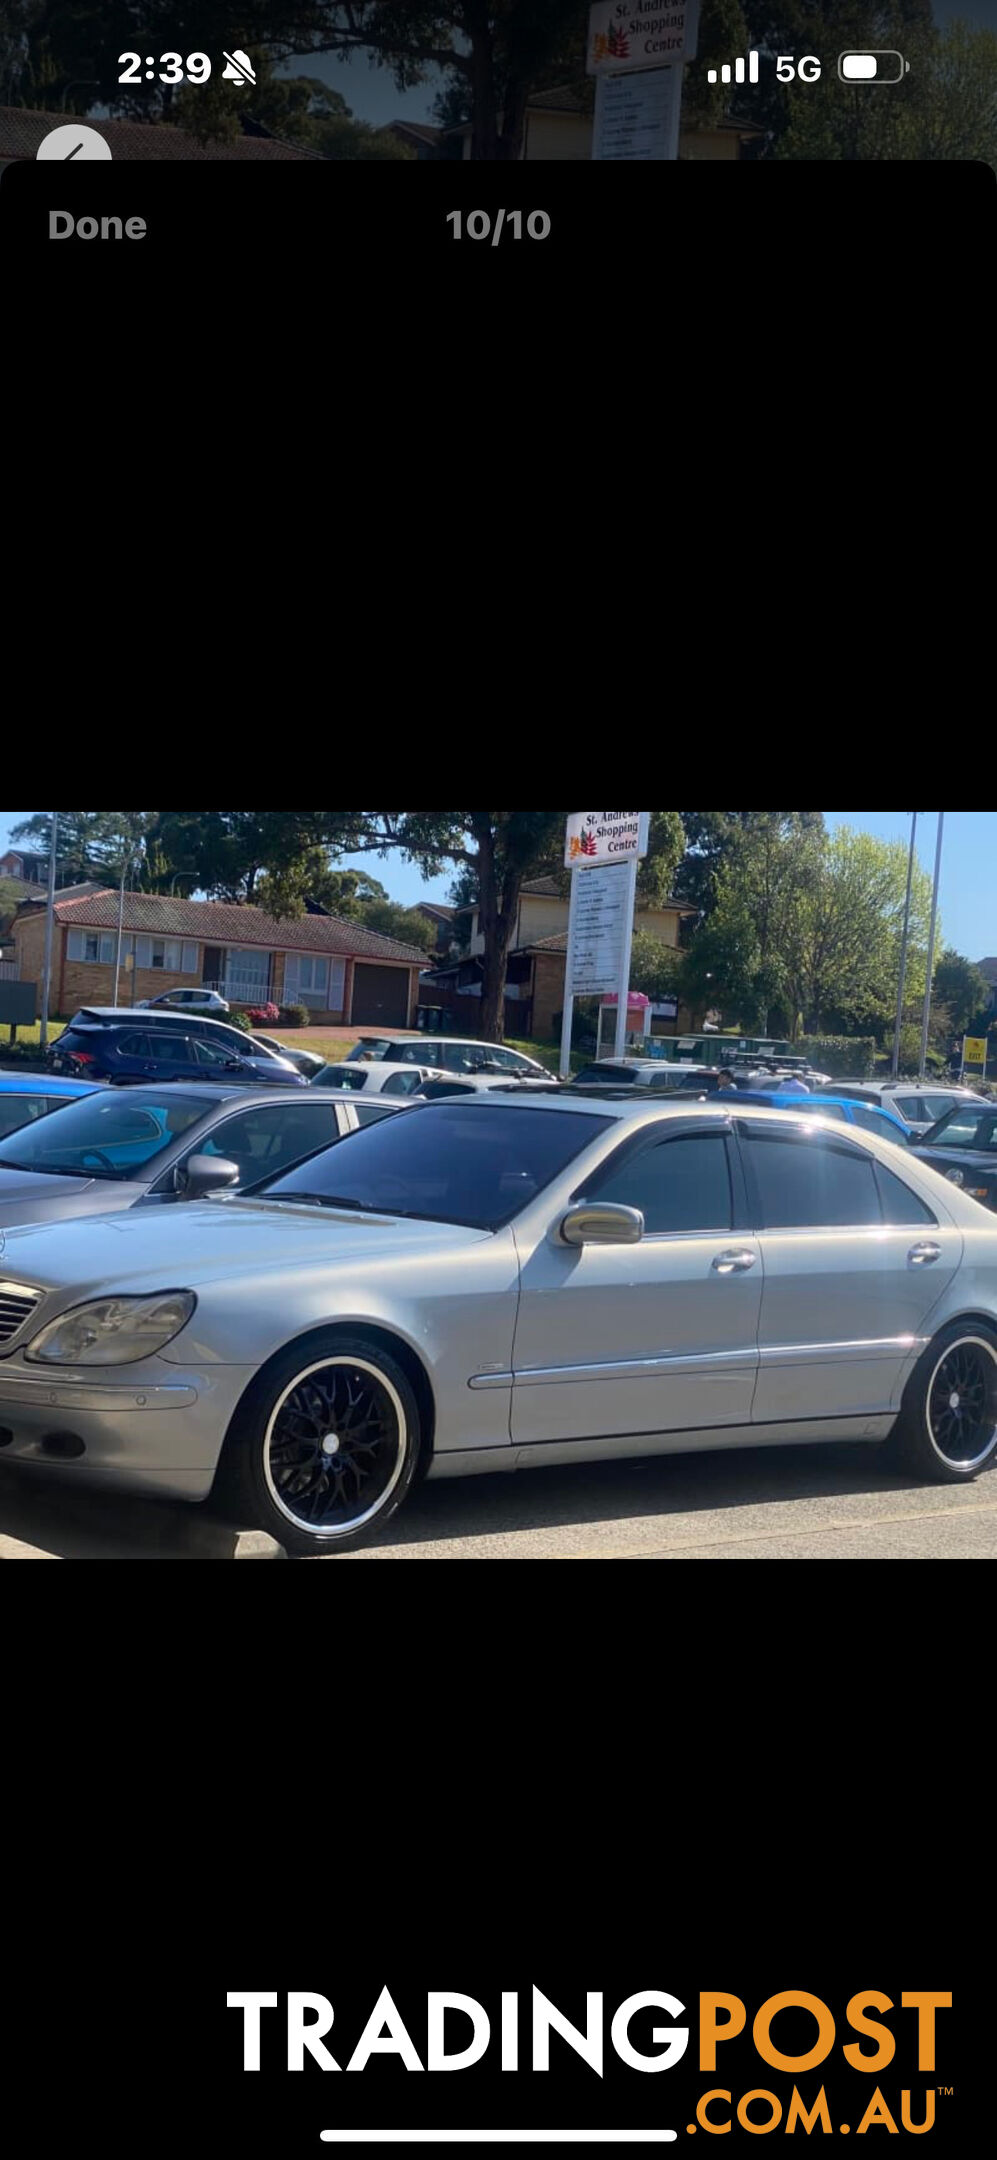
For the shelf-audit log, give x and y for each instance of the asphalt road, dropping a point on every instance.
(795, 1503)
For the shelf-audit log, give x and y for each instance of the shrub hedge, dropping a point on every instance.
(845, 1057)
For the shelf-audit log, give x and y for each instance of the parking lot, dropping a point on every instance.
(794, 1503)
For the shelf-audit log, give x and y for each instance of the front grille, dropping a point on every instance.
(17, 1303)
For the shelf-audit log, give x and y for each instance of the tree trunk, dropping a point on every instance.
(497, 913)
(485, 132)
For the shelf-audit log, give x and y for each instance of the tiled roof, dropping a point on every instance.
(543, 888)
(224, 922)
(21, 131)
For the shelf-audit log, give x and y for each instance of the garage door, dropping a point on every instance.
(380, 994)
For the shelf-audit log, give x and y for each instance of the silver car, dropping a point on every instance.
(505, 1281)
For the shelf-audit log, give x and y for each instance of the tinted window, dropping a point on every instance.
(264, 1140)
(829, 1109)
(210, 1053)
(369, 1046)
(173, 1049)
(453, 1162)
(18, 1110)
(900, 1204)
(808, 1181)
(597, 1075)
(128, 1135)
(966, 1129)
(874, 1121)
(924, 1108)
(678, 1184)
(337, 1076)
(132, 1044)
(459, 1058)
(402, 1084)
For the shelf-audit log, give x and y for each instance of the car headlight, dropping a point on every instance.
(113, 1331)
(955, 1177)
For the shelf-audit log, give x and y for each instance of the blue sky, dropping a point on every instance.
(968, 901)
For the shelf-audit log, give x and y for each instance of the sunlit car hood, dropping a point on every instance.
(194, 1242)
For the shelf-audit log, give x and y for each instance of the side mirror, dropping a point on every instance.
(202, 1174)
(600, 1222)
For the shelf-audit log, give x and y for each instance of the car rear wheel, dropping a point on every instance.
(324, 1447)
(947, 1428)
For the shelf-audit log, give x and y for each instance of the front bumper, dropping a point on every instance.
(150, 1426)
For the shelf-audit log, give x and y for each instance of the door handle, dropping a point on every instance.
(733, 1263)
(923, 1255)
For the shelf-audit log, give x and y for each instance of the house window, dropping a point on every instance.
(189, 960)
(94, 946)
(310, 979)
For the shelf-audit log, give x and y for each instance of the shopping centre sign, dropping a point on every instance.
(628, 34)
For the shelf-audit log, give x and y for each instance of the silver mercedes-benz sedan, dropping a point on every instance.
(499, 1281)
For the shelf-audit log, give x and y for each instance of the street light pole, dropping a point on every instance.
(49, 924)
(931, 947)
(121, 921)
(894, 1068)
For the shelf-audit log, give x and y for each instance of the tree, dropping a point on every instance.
(298, 108)
(738, 960)
(92, 843)
(960, 987)
(842, 938)
(655, 968)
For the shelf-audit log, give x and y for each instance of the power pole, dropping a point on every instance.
(894, 1068)
(49, 924)
(931, 947)
(121, 918)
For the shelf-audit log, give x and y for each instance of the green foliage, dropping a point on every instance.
(847, 1057)
(960, 988)
(294, 1016)
(655, 968)
(239, 1019)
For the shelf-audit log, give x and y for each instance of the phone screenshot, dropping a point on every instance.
(489, 141)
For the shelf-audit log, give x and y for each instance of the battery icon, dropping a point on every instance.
(873, 67)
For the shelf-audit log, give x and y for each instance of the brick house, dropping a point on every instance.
(344, 973)
(537, 961)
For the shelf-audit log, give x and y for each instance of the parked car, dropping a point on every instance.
(468, 1285)
(963, 1146)
(27, 1096)
(448, 1053)
(306, 1062)
(381, 1079)
(130, 1050)
(123, 1146)
(437, 1087)
(868, 1116)
(919, 1103)
(637, 1072)
(200, 1000)
(217, 1031)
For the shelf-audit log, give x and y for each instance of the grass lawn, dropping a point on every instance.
(32, 1034)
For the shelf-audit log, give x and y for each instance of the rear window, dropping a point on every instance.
(337, 1076)
(600, 1075)
(369, 1046)
(924, 1109)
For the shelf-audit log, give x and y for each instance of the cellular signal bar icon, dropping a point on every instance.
(738, 65)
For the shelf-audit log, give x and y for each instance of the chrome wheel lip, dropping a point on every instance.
(959, 1462)
(334, 1532)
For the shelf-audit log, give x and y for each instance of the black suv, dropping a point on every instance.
(102, 1043)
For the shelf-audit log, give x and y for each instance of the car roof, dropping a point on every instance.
(137, 1015)
(45, 1084)
(461, 1042)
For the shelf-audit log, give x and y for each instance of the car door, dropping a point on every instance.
(854, 1261)
(652, 1338)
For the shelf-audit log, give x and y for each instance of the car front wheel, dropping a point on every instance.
(947, 1428)
(324, 1447)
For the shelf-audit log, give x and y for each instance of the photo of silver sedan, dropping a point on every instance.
(498, 1282)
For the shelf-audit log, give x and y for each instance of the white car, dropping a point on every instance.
(449, 1053)
(917, 1103)
(206, 1001)
(382, 1079)
(439, 1085)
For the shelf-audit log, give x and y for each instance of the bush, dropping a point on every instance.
(845, 1057)
(294, 1016)
(241, 1020)
(264, 1015)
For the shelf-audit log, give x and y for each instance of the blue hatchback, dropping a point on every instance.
(835, 1106)
(26, 1096)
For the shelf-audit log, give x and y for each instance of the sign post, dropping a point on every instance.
(636, 51)
(602, 851)
(974, 1057)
